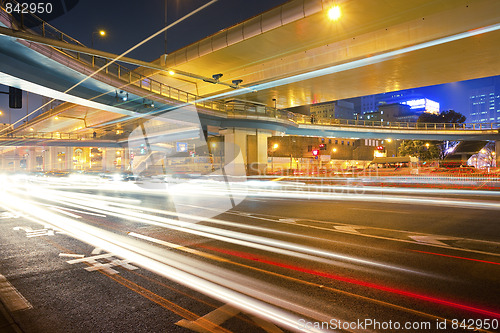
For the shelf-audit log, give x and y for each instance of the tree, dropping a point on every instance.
(451, 117)
(428, 118)
(425, 151)
(448, 116)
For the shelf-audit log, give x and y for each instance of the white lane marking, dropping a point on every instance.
(432, 239)
(80, 211)
(35, 233)
(73, 255)
(348, 228)
(11, 297)
(288, 220)
(380, 210)
(96, 265)
(70, 209)
(211, 321)
(154, 240)
(10, 215)
(300, 223)
(65, 212)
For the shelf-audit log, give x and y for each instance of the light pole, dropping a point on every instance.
(101, 33)
(165, 26)
(275, 147)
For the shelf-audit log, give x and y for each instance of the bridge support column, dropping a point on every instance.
(50, 159)
(109, 159)
(31, 160)
(497, 153)
(126, 159)
(253, 147)
(68, 157)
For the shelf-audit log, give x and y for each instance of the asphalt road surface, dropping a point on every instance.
(120, 257)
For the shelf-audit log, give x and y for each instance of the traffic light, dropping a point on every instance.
(15, 98)
(380, 147)
(315, 152)
(322, 146)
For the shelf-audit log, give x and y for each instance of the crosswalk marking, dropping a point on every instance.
(38, 232)
(95, 264)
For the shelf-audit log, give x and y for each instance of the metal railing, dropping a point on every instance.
(243, 110)
(302, 119)
(49, 135)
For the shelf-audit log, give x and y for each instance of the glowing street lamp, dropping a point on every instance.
(334, 13)
(101, 33)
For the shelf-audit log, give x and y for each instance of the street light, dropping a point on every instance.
(334, 13)
(275, 147)
(101, 33)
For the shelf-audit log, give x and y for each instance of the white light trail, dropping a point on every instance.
(151, 259)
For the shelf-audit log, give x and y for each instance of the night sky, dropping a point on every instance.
(128, 22)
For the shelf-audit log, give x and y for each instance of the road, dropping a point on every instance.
(122, 257)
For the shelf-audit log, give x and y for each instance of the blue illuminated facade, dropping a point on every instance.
(484, 103)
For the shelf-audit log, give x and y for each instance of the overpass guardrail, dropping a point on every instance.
(49, 136)
(243, 110)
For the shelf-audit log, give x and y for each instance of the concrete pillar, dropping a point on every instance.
(68, 163)
(497, 153)
(126, 160)
(464, 158)
(31, 160)
(259, 165)
(108, 159)
(51, 162)
(251, 147)
(235, 147)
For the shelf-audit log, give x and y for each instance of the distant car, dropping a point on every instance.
(55, 173)
(120, 176)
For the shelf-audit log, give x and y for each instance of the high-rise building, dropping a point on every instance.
(417, 103)
(484, 103)
(333, 110)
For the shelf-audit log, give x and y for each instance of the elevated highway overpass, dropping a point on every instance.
(371, 43)
(69, 71)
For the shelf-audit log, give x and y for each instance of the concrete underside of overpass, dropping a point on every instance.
(297, 38)
(295, 45)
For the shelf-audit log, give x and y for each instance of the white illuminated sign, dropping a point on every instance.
(431, 106)
(416, 103)
(423, 103)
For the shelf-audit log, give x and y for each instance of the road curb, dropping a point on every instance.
(7, 322)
